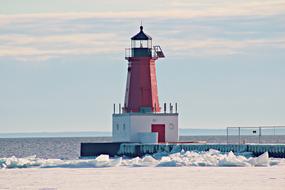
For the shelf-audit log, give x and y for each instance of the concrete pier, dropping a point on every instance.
(95, 149)
(137, 149)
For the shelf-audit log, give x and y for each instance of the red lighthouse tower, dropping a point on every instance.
(141, 119)
(141, 91)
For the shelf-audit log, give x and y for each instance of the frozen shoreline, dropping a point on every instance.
(212, 158)
(161, 171)
(176, 158)
(129, 178)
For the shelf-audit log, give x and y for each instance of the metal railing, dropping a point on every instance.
(129, 53)
(172, 109)
(260, 135)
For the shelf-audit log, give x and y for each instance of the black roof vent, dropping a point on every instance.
(141, 35)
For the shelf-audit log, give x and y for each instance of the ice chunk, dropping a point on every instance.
(102, 161)
(116, 162)
(159, 155)
(276, 161)
(214, 152)
(262, 160)
(166, 162)
(14, 162)
(138, 162)
(149, 161)
(132, 162)
(232, 160)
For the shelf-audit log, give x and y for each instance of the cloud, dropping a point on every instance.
(25, 48)
(210, 47)
(183, 9)
(222, 8)
(185, 27)
(41, 48)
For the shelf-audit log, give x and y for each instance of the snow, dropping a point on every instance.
(212, 158)
(142, 178)
(161, 171)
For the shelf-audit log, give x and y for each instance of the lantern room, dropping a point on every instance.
(141, 44)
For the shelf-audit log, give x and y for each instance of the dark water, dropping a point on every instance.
(58, 147)
(69, 147)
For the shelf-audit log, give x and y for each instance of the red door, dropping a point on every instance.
(160, 129)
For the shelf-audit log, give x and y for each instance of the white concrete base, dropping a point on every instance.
(128, 126)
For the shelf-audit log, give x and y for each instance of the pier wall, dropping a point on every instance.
(137, 149)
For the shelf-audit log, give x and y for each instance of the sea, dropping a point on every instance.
(66, 145)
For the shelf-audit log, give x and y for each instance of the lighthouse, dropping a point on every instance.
(141, 118)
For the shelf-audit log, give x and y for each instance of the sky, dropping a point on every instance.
(62, 61)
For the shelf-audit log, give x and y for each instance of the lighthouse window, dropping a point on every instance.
(124, 127)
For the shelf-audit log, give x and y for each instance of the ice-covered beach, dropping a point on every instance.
(129, 178)
(180, 170)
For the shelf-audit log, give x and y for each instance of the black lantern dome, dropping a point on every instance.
(141, 35)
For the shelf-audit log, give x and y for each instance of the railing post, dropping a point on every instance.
(227, 135)
(259, 139)
(274, 134)
(239, 136)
